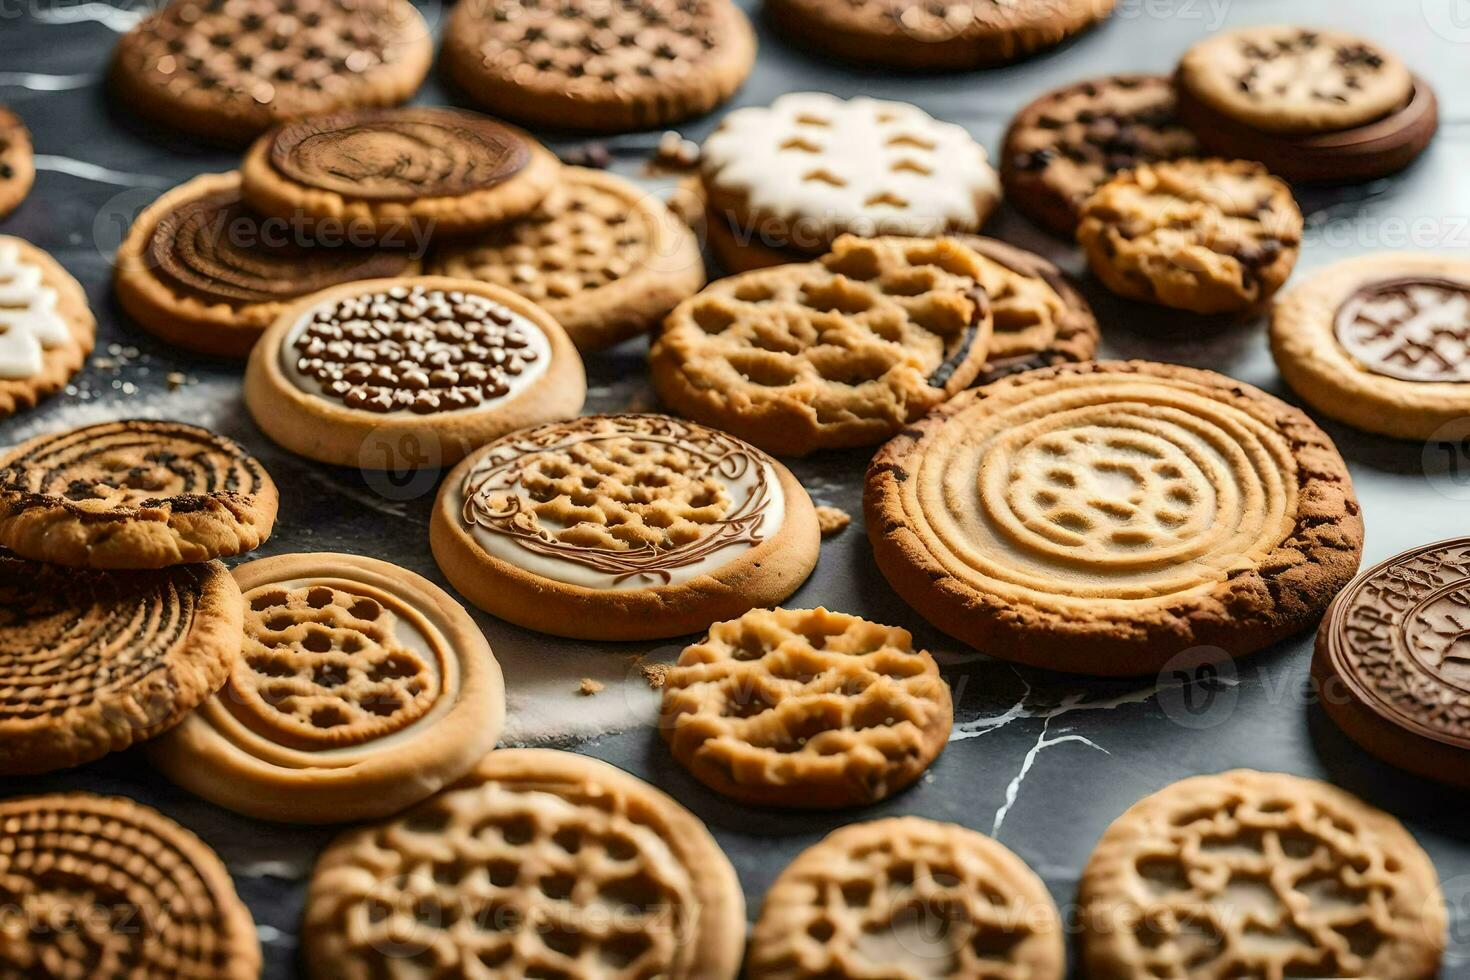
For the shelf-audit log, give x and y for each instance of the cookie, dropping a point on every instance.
(1065, 145)
(1101, 518)
(225, 72)
(17, 166)
(538, 863)
(113, 888)
(1259, 874)
(94, 661)
(838, 353)
(907, 898)
(1381, 342)
(606, 259)
(623, 527)
(361, 690)
(133, 494)
(202, 271)
(398, 173)
(599, 66)
(805, 708)
(928, 36)
(46, 327)
(447, 364)
(1207, 236)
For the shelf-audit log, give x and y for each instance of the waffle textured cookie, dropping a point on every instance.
(361, 690)
(375, 374)
(1259, 874)
(606, 259)
(623, 527)
(598, 65)
(538, 863)
(133, 494)
(227, 71)
(116, 889)
(1381, 342)
(17, 165)
(46, 327)
(1208, 236)
(1103, 517)
(907, 898)
(93, 662)
(805, 708)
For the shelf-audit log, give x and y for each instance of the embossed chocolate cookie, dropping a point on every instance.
(93, 662)
(46, 327)
(1259, 874)
(227, 71)
(133, 494)
(114, 888)
(362, 689)
(399, 172)
(418, 371)
(17, 167)
(1101, 518)
(623, 527)
(603, 65)
(907, 897)
(606, 259)
(1381, 342)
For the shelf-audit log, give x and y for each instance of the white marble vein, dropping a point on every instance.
(1043, 742)
(40, 82)
(91, 171)
(113, 18)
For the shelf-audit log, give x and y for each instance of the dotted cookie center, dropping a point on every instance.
(1412, 329)
(1305, 68)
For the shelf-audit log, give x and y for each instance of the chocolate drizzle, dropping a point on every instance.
(1415, 328)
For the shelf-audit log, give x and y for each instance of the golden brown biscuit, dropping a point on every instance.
(17, 164)
(46, 327)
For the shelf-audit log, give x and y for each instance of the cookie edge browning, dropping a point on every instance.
(25, 164)
(1327, 533)
(58, 365)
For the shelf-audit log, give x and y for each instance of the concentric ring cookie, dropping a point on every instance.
(347, 374)
(605, 258)
(133, 494)
(17, 166)
(1101, 518)
(623, 527)
(46, 327)
(114, 888)
(93, 662)
(907, 898)
(362, 689)
(538, 863)
(1259, 874)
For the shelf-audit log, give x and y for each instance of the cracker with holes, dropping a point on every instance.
(791, 178)
(623, 527)
(805, 708)
(46, 326)
(536, 864)
(362, 689)
(1259, 874)
(907, 898)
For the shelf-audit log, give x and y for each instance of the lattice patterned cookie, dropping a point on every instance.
(907, 899)
(46, 327)
(1262, 875)
(17, 165)
(538, 863)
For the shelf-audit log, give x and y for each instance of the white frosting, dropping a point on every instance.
(29, 323)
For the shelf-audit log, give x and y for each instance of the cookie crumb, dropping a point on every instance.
(675, 154)
(176, 380)
(832, 520)
(589, 687)
(593, 155)
(655, 675)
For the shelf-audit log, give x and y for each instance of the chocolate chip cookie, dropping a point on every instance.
(17, 166)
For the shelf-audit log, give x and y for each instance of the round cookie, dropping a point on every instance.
(555, 863)
(907, 898)
(94, 662)
(1101, 518)
(1381, 342)
(1207, 236)
(1259, 874)
(1063, 146)
(805, 708)
(445, 364)
(362, 689)
(133, 494)
(592, 65)
(832, 354)
(114, 888)
(398, 173)
(17, 165)
(46, 327)
(623, 527)
(225, 72)
(201, 271)
(605, 258)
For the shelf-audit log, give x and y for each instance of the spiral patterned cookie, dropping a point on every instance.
(17, 166)
(91, 662)
(112, 888)
(1103, 517)
(133, 494)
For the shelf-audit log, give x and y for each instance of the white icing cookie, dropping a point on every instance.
(30, 324)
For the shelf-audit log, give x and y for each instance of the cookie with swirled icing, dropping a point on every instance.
(17, 165)
(46, 327)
